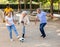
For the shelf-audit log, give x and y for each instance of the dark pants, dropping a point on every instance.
(42, 25)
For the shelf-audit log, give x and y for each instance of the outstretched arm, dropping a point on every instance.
(49, 14)
(36, 20)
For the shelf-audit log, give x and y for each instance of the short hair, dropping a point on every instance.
(39, 9)
(24, 12)
(8, 5)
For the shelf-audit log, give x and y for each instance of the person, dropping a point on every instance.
(11, 25)
(41, 15)
(1, 15)
(24, 20)
(8, 9)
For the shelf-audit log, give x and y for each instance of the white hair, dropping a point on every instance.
(24, 12)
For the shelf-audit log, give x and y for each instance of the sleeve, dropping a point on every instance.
(11, 9)
(20, 18)
(5, 10)
(45, 13)
(27, 19)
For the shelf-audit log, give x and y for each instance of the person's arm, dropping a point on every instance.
(27, 20)
(36, 20)
(7, 21)
(49, 14)
(14, 21)
(4, 13)
(12, 11)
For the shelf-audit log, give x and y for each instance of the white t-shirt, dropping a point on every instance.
(10, 20)
(25, 19)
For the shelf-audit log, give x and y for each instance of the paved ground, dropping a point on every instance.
(32, 37)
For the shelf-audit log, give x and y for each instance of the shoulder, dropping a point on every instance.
(11, 9)
(44, 12)
(5, 9)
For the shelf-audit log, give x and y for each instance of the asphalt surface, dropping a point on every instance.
(32, 36)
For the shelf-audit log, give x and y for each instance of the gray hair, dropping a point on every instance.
(24, 12)
(38, 9)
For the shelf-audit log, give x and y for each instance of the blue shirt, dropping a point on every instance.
(42, 17)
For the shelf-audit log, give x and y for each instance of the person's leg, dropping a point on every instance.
(15, 30)
(42, 29)
(10, 31)
(23, 33)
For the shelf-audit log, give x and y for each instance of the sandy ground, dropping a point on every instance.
(32, 37)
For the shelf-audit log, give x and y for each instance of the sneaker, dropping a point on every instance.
(41, 35)
(23, 35)
(11, 40)
(44, 36)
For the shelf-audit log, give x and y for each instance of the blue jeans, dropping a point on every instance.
(10, 30)
(23, 28)
(42, 25)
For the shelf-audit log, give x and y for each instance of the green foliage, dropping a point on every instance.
(55, 1)
(35, 0)
(12, 0)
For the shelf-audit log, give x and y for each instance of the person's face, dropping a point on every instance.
(38, 11)
(8, 6)
(24, 15)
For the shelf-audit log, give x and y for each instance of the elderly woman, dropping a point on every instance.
(24, 20)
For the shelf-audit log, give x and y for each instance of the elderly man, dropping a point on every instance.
(41, 15)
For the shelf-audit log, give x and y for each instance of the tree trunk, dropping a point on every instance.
(25, 4)
(31, 5)
(39, 3)
(58, 7)
(19, 6)
(51, 8)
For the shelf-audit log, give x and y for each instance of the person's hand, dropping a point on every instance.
(35, 23)
(25, 23)
(14, 21)
(9, 23)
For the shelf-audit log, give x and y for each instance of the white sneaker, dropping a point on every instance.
(11, 40)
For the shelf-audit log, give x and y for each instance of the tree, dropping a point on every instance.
(58, 7)
(51, 8)
(11, 0)
(30, 5)
(19, 5)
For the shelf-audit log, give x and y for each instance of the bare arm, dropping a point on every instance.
(50, 15)
(7, 22)
(4, 13)
(12, 13)
(36, 20)
(14, 21)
